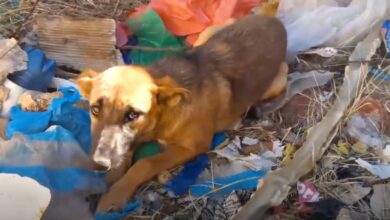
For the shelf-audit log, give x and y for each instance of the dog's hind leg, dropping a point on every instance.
(278, 84)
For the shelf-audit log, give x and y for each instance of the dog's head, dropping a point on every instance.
(125, 104)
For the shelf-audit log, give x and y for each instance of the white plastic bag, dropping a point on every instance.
(312, 23)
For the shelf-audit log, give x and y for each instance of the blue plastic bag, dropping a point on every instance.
(61, 112)
(39, 73)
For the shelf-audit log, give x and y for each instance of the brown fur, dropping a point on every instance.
(190, 98)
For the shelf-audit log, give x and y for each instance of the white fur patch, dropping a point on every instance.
(115, 141)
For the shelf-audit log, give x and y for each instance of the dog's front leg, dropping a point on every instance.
(142, 171)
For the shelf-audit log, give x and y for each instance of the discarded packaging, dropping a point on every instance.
(307, 192)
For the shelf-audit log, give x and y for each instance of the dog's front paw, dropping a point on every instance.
(115, 199)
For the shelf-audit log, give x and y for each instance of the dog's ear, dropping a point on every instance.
(172, 96)
(84, 82)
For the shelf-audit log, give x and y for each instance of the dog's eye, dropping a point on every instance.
(131, 116)
(95, 110)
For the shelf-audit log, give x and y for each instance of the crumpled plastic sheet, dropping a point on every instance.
(312, 23)
(46, 146)
(189, 18)
(274, 187)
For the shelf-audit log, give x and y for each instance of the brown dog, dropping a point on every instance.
(181, 101)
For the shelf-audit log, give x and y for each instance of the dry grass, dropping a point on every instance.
(16, 15)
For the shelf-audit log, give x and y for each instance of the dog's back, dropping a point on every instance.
(248, 53)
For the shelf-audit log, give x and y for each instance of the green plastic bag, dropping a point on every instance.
(151, 32)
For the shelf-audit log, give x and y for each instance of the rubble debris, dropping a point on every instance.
(80, 44)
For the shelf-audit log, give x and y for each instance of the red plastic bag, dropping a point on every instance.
(190, 17)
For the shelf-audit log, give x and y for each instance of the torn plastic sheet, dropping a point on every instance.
(297, 83)
(381, 170)
(274, 187)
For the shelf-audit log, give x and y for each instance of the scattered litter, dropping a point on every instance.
(22, 197)
(80, 44)
(276, 185)
(381, 170)
(190, 173)
(379, 202)
(223, 185)
(253, 161)
(324, 52)
(385, 31)
(49, 132)
(360, 148)
(325, 96)
(249, 141)
(289, 152)
(277, 150)
(366, 124)
(307, 192)
(379, 74)
(189, 18)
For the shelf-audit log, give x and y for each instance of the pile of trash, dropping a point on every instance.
(319, 151)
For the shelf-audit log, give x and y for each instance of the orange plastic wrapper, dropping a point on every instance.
(190, 17)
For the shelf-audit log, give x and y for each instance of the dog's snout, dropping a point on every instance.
(101, 165)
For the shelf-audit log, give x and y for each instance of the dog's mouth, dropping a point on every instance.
(113, 145)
